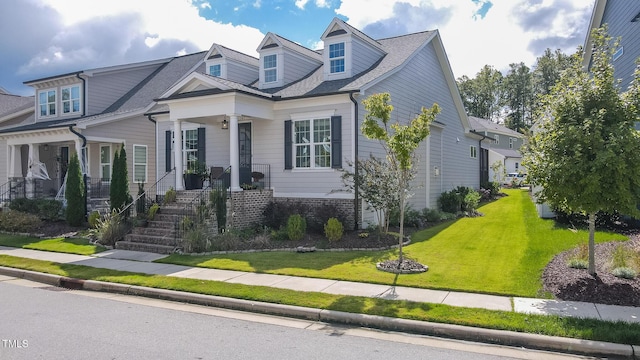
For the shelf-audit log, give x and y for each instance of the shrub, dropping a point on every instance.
(277, 213)
(279, 235)
(228, 240)
(170, 196)
(333, 229)
(577, 263)
(219, 200)
(621, 257)
(450, 202)
(431, 215)
(153, 209)
(74, 193)
(196, 240)
(18, 221)
(624, 272)
(49, 209)
(296, 227)
(45, 209)
(471, 201)
(93, 219)
(111, 229)
(24, 205)
(320, 214)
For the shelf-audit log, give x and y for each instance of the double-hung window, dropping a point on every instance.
(270, 68)
(70, 99)
(336, 56)
(47, 102)
(215, 70)
(473, 152)
(139, 163)
(510, 143)
(105, 162)
(312, 142)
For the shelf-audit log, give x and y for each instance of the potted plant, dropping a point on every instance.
(257, 179)
(195, 175)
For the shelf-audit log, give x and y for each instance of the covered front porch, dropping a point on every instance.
(225, 133)
(38, 162)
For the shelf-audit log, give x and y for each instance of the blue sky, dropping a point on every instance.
(48, 37)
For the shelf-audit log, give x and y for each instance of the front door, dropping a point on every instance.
(244, 141)
(64, 162)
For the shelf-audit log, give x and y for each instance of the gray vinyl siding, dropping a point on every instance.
(503, 141)
(296, 67)
(138, 131)
(241, 73)
(4, 162)
(422, 83)
(269, 149)
(105, 89)
(618, 14)
(363, 56)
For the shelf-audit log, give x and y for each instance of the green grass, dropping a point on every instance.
(587, 329)
(78, 246)
(502, 252)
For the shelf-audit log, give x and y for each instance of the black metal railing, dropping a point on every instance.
(99, 188)
(12, 189)
(258, 177)
(154, 194)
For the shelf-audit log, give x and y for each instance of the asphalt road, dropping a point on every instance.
(42, 322)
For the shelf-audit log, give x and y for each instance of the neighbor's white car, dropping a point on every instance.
(514, 178)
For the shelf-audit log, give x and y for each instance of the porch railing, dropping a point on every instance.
(153, 194)
(12, 190)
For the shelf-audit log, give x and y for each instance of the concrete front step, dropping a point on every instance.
(161, 224)
(154, 248)
(151, 239)
(154, 231)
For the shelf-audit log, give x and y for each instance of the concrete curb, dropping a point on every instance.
(509, 338)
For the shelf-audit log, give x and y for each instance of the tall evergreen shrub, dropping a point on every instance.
(74, 193)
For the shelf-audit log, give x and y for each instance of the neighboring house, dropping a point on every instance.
(293, 114)
(502, 146)
(91, 113)
(623, 20)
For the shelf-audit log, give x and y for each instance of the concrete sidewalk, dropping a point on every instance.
(141, 262)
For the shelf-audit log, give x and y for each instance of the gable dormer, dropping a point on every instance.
(347, 51)
(283, 61)
(58, 97)
(232, 65)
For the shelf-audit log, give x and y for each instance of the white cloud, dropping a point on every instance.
(205, 5)
(257, 4)
(322, 3)
(300, 4)
(173, 20)
(498, 39)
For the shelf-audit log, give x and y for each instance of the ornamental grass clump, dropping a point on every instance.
(333, 229)
(296, 227)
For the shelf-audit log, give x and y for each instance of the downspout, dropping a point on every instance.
(155, 126)
(84, 175)
(484, 137)
(356, 171)
(84, 94)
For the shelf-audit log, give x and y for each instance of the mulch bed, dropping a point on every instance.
(571, 284)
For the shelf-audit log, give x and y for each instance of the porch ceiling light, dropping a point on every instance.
(225, 124)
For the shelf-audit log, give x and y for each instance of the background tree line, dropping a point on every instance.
(513, 98)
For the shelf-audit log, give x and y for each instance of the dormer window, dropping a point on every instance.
(215, 70)
(270, 68)
(70, 99)
(47, 102)
(336, 56)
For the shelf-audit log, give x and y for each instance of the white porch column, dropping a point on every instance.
(234, 153)
(13, 152)
(34, 156)
(177, 152)
(81, 157)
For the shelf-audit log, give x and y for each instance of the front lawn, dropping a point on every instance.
(587, 329)
(80, 246)
(502, 252)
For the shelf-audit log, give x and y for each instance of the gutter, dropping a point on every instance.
(356, 168)
(84, 94)
(84, 175)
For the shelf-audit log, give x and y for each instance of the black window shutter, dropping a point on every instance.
(288, 140)
(202, 154)
(167, 150)
(336, 142)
